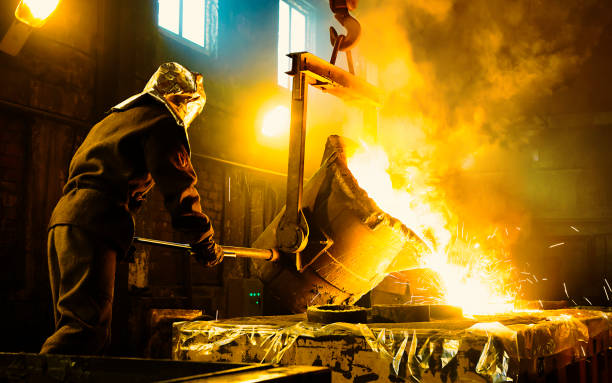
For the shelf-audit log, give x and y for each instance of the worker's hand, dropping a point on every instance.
(207, 252)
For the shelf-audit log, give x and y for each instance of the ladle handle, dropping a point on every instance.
(228, 251)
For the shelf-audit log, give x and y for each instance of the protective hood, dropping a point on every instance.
(179, 89)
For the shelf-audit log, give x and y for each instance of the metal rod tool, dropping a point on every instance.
(228, 251)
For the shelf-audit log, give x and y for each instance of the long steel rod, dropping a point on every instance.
(237, 164)
(228, 251)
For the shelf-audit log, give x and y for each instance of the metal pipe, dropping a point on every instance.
(237, 164)
(247, 252)
(228, 251)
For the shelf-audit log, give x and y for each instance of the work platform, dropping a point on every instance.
(569, 345)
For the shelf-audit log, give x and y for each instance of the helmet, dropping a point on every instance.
(179, 89)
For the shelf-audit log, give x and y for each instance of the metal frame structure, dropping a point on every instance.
(308, 69)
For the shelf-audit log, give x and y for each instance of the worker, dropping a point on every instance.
(142, 142)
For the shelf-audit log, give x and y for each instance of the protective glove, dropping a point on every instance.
(207, 252)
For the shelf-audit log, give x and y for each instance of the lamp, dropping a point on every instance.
(276, 122)
(29, 14)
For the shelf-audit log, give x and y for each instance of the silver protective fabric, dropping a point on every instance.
(178, 88)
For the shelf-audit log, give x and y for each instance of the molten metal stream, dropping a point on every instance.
(469, 276)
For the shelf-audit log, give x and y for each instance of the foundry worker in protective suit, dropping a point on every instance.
(142, 142)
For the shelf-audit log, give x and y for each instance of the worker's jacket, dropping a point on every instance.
(118, 163)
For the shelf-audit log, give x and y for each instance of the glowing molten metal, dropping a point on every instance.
(470, 276)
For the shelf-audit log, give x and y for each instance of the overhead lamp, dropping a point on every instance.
(276, 122)
(29, 14)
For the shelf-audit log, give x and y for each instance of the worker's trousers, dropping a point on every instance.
(82, 275)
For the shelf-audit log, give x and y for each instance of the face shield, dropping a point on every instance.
(179, 89)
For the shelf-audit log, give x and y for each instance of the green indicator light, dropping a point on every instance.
(258, 294)
(256, 302)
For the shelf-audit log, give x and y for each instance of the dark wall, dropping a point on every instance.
(47, 99)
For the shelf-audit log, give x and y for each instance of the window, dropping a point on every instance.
(292, 36)
(193, 20)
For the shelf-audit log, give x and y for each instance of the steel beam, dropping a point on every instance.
(307, 69)
(332, 79)
(292, 233)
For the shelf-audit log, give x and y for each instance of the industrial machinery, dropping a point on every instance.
(335, 243)
(350, 247)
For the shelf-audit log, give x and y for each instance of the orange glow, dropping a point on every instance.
(471, 276)
(276, 122)
(35, 12)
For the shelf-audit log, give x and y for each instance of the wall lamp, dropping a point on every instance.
(29, 14)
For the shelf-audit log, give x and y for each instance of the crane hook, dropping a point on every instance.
(344, 43)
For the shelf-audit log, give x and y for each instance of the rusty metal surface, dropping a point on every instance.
(488, 349)
(364, 242)
(69, 368)
(285, 374)
(395, 313)
(337, 313)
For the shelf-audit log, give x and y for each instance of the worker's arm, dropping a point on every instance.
(170, 166)
(169, 163)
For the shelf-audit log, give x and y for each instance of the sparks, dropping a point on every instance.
(573, 228)
(565, 288)
(587, 299)
(556, 244)
(472, 276)
(492, 235)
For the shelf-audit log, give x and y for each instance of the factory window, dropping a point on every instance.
(192, 20)
(292, 35)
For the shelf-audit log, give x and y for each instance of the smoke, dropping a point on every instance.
(463, 79)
